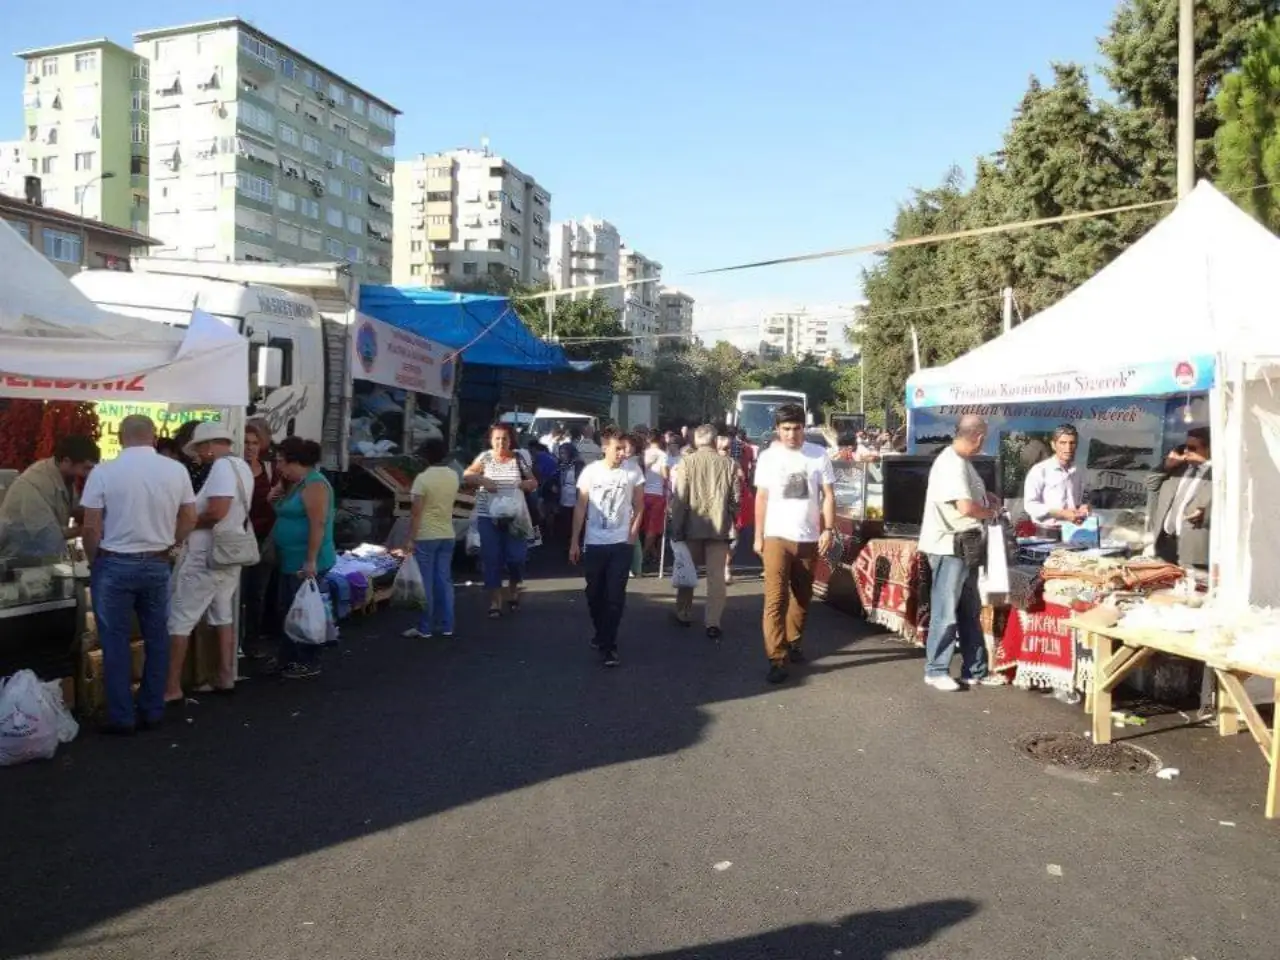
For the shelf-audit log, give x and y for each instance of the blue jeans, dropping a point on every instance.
(500, 548)
(291, 652)
(122, 586)
(606, 568)
(435, 563)
(955, 611)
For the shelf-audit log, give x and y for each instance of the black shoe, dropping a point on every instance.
(777, 674)
(714, 633)
(795, 654)
(595, 643)
(116, 730)
(145, 724)
(610, 658)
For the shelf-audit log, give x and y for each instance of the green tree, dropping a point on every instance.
(1248, 139)
(629, 374)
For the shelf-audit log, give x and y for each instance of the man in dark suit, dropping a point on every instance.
(1183, 494)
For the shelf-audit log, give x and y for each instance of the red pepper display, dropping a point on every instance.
(30, 428)
(66, 419)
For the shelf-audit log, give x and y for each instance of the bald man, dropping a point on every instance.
(957, 506)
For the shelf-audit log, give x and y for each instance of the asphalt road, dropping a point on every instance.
(503, 796)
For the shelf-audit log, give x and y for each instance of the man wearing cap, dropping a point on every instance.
(137, 508)
(200, 588)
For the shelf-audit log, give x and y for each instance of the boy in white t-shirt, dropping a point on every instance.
(606, 523)
(795, 523)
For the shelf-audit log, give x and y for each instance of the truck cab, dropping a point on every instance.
(282, 326)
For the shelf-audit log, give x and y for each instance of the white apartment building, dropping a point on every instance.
(587, 253)
(675, 317)
(464, 215)
(795, 335)
(80, 102)
(13, 168)
(259, 153)
(640, 307)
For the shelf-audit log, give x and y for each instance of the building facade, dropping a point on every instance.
(13, 168)
(640, 308)
(258, 153)
(70, 242)
(795, 335)
(675, 318)
(81, 104)
(466, 216)
(587, 253)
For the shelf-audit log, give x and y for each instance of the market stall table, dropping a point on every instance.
(1136, 646)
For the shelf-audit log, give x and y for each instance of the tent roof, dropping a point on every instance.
(487, 327)
(1201, 282)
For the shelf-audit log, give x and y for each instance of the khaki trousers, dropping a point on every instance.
(788, 588)
(713, 554)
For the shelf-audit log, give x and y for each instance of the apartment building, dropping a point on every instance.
(82, 103)
(675, 317)
(13, 168)
(257, 152)
(587, 253)
(73, 243)
(465, 215)
(795, 335)
(640, 309)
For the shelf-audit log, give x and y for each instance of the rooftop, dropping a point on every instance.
(16, 206)
(58, 49)
(206, 25)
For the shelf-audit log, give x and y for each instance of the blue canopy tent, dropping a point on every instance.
(486, 329)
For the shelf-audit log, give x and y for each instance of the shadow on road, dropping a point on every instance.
(875, 935)
(395, 731)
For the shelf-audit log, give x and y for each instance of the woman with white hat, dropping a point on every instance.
(200, 587)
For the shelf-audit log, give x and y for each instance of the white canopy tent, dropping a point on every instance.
(1192, 306)
(57, 345)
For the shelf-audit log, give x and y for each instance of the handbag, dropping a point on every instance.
(236, 548)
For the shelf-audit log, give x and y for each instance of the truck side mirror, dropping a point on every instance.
(270, 368)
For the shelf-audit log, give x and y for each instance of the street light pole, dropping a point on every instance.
(84, 191)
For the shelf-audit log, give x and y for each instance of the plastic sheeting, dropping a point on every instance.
(459, 320)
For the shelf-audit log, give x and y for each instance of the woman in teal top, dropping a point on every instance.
(303, 536)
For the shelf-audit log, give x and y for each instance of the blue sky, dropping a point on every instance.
(710, 132)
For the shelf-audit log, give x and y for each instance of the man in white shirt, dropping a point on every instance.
(956, 507)
(795, 522)
(1053, 492)
(137, 509)
(606, 523)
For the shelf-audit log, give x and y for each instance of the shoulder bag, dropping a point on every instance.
(236, 548)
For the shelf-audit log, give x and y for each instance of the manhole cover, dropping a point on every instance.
(1080, 753)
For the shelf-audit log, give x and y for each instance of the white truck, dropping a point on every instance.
(297, 319)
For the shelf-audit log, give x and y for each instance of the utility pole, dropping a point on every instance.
(1007, 314)
(1186, 97)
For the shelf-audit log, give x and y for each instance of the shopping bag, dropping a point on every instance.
(506, 504)
(28, 722)
(307, 621)
(473, 540)
(409, 590)
(66, 723)
(684, 573)
(995, 576)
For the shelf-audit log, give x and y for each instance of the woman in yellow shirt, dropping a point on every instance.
(432, 539)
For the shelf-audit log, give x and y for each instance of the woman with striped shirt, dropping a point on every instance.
(498, 468)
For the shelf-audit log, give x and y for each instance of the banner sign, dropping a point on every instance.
(393, 357)
(1192, 374)
(167, 420)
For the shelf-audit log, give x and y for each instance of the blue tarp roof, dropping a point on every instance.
(458, 319)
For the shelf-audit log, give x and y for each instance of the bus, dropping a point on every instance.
(755, 409)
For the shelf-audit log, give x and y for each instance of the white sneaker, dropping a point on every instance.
(413, 633)
(990, 680)
(944, 684)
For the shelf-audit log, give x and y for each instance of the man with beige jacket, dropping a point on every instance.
(704, 504)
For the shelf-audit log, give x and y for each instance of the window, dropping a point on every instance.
(439, 197)
(355, 165)
(334, 248)
(308, 77)
(139, 133)
(515, 251)
(206, 43)
(32, 68)
(49, 165)
(310, 208)
(289, 102)
(439, 220)
(289, 67)
(33, 133)
(289, 135)
(415, 246)
(337, 95)
(337, 188)
(141, 70)
(469, 268)
(355, 193)
(256, 188)
(357, 104)
(333, 217)
(310, 240)
(84, 161)
(354, 223)
(86, 61)
(341, 130)
(81, 194)
(334, 156)
(31, 99)
(256, 117)
(359, 136)
(288, 233)
(258, 49)
(51, 136)
(61, 247)
(382, 116)
(310, 144)
(140, 100)
(163, 48)
(286, 200)
(49, 67)
(23, 227)
(415, 269)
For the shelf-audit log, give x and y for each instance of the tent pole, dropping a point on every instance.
(1186, 98)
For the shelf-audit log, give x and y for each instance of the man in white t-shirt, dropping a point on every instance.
(606, 523)
(199, 588)
(795, 523)
(137, 509)
(956, 505)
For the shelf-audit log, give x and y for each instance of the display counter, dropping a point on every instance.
(859, 491)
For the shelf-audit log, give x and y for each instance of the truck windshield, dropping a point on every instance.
(540, 428)
(756, 417)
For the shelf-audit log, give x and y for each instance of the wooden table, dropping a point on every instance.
(1110, 666)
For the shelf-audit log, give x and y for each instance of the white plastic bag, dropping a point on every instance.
(68, 729)
(995, 576)
(307, 621)
(28, 721)
(684, 572)
(408, 589)
(506, 504)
